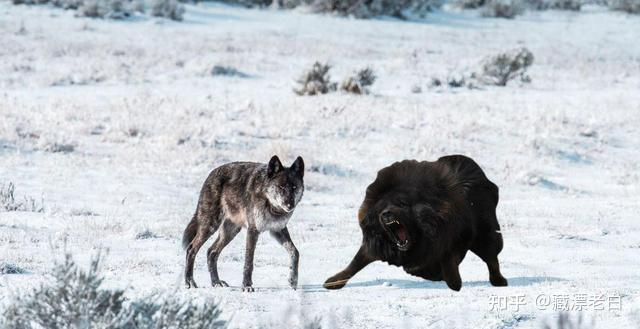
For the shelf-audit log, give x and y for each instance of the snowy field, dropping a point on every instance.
(116, 124)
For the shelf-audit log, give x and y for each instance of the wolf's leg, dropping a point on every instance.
(201, 237)
(252, 240)
(227, 233)
(451, 273)
(360, 260)
(284, 239)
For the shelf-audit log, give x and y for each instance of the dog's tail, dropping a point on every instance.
(189, 233)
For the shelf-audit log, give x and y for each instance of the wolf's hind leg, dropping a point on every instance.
(360, 260)
(201, 237)
(227, 233)
(284, 239)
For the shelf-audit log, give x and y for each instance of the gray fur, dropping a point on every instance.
(258, 197)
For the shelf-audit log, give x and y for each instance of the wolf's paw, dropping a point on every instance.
(190, 283)
(248, 289)
(219, 284)
(293, 283)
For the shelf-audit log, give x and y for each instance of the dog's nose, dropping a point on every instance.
(386, 214)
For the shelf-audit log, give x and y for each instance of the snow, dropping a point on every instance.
(147, 122)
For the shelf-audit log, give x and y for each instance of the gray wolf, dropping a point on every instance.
(425, 216)
(258, 197)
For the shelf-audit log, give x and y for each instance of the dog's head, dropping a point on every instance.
(284, 185)
(398, 223)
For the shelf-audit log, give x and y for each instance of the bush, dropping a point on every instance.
(499, 69)
(359, 82)
(8, 201)
(574, 5)
(75, 299)
(372, 8)
(114, 9)
(171, 9)
(502, 8)
(315, 81)
(469, 4)
(629, 6)
(67, 4)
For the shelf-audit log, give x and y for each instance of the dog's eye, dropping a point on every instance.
(403, 204)
(293, 187)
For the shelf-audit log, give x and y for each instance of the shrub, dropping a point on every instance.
(372, 8)
(67, 4)
(469, 4)
(499, 69)
(629, 6)
(250, 3)
(575, 5)
(171, 9)
(502, 8)
(114, 9)
(10, 268)
(75, 299)
(8, 201)
(315, 81)
(359, 82)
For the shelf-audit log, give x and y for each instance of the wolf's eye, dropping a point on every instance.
(293, 187)
(403, 204)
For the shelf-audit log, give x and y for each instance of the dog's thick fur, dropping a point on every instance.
(425, 216)
(258, 197)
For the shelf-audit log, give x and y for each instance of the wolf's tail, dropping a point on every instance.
(189, 233)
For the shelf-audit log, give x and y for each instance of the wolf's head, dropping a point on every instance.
(284, 185)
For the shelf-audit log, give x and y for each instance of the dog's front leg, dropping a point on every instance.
(360, 260)
(252, 240)
(284, 239)
(451, 273)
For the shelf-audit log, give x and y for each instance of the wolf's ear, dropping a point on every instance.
(298, 166)
(275, 166)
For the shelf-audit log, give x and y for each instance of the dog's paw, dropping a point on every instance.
(334, 283)
(499, 281)
(219, 284)
(248, 289)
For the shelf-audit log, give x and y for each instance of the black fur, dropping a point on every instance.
(446, 208)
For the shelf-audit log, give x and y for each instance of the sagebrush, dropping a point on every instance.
(500, 68)
(359, 82)
(315, 81)
(75, 298)
(503, 8)
(629, 6)
(8, 201)
(171, 9)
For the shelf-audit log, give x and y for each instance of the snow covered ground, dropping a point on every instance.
(146, 122)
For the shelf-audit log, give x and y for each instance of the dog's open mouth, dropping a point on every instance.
(398, 232)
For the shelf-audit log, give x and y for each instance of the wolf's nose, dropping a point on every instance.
(386, 214)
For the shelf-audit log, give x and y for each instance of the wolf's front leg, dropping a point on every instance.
(284, 239)
(252, 240)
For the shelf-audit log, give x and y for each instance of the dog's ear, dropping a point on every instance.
(427, 218)
(298, 166)
(275, 166)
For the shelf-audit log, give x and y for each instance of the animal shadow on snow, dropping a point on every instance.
(424, 284)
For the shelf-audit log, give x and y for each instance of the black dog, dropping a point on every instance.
(425, 216)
